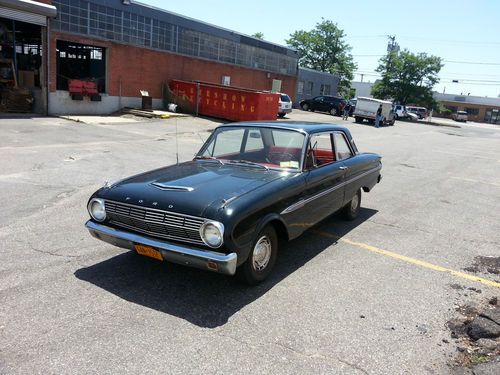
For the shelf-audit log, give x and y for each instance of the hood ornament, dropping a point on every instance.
(161, 186)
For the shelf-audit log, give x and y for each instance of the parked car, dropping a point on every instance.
(460, 116)
(421, 112)
(324, 103)
(366, 109)
(400, 111)
(412, 116)
(285, 105)
(250, 185)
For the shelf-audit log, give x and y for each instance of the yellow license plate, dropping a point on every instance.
(148, 251)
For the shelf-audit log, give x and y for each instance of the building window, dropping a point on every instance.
(79, 61)
(324, 90)
(472, 111)
(452, 108)
(300, 87)
(492, 115)
(309, 88)
(87, 18)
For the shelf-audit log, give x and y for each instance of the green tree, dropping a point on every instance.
(325, 49)
(258, 35)
(408, 78)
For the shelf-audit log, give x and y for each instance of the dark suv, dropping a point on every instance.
(324, 103)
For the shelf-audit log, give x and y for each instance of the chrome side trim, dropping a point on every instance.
(180, 254)
(161, 186)
(303, 202)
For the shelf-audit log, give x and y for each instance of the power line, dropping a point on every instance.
(448, 40)
(472, 83)
(470, 62)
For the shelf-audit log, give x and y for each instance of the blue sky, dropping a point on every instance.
(465, 34)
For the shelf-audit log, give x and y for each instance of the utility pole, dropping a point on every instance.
(392, 48)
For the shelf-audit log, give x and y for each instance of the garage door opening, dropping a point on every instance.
(20, 66)
(80, 62)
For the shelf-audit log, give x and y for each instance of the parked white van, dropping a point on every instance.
(366, 109)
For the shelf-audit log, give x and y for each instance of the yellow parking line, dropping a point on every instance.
(410, 260)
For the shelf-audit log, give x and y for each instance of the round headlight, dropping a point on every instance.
(212, 233)
(96, 209)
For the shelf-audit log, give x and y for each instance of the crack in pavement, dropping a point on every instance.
(297, 352)
(399, 227)
(52, 253)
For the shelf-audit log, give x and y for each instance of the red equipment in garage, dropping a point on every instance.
(79, 88)
(231, 103)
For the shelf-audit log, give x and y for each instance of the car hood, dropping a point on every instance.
(191, 188)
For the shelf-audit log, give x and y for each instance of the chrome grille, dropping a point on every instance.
(158, 223)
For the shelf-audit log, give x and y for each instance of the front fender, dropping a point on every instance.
(246, 231)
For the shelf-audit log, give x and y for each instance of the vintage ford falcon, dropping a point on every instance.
(250, 185)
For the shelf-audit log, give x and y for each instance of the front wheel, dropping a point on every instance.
(305, 107)
(351, 209)
(281, 115)
(261, 259)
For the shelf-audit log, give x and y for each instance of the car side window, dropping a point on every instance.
(342, 150)
(320, 150)
(318, 99)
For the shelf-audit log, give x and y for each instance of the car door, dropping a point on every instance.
(324, 179)
(357, 168)
(328, 104)
(317, 103)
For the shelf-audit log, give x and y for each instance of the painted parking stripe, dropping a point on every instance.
(410, 260)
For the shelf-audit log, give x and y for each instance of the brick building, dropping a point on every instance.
(126, 47)
(478, 108)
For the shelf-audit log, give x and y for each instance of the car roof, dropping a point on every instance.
(303, 126)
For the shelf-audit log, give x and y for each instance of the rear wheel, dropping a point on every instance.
(281, 115)
(262, 258)
(358, 120)
(333, 111)
(351, 209)
(305, 107)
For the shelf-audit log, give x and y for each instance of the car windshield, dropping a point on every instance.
(255, 147)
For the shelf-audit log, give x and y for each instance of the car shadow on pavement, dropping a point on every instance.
(204, 298)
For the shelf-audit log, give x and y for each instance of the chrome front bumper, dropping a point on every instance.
(185, 255)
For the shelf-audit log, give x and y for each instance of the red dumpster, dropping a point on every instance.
(231, 103)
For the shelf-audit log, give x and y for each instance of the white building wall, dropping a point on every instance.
(362, 89)
(60, 103)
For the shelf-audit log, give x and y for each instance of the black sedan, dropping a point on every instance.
(249, 185)
(334, 105)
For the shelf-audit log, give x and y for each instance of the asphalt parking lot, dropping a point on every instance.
(370, 296)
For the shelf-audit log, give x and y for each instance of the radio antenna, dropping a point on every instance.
(176, 143)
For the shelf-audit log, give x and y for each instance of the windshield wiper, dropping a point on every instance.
(208, 158)
(246, 162)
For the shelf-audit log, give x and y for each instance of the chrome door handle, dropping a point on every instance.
(343, 168)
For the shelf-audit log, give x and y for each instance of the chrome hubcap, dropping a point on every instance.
(355, 203)
(261, 253)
